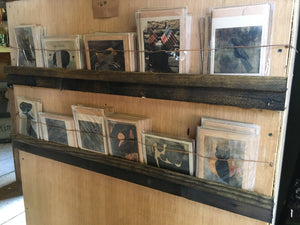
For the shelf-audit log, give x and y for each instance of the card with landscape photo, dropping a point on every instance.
(58, 128)
(111, 51)
(239, 37)
(170, 153)
(63, 52)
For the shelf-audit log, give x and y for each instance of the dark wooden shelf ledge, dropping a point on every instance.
(225, 197)
(261, 92)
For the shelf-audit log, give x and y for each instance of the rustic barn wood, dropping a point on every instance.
(242, 91)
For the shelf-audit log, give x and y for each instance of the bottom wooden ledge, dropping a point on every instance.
(225, 197)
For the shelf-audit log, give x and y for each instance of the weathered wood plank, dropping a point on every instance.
(255, 83)
(218, 195)
(246, 92)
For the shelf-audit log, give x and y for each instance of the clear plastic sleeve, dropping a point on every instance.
(167, 152)
(162, 35)
(240, 39)
(111, 51)
(28, 120)
(124, 134)
(90, 127)
(228, 152)
(58, 128)
(64, 52)
(29, 49)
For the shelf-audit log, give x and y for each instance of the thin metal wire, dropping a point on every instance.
(287, 46)
(150, 146)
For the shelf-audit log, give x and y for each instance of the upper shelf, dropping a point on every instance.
(262, 92)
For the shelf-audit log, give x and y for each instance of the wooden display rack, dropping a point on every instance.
(65, 185)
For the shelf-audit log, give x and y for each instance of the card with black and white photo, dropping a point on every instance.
(28, 122)
(29, 48)
(168, 152)
(58, 128)
(63, 52)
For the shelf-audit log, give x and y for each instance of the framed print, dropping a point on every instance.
(111, 51)
(161, 35)
(90, 127)
(28, 110)
(58, 128)
(238, 36)
(28, 39)
(227, 158)
(125, 135)
(63, 52)
(170, 153)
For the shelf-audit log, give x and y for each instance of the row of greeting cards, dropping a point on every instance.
(238, 36)
(225, 151)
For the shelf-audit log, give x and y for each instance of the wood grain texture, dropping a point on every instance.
(246, 83)
(217, 96)
(87, 197)
(232, 199)
(78, 19)
(246, 91)
(290, 68)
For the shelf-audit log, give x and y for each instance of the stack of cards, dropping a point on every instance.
(28, 39)
(58, 128)
(125, 135)
(111, 51)
(28, 110)
(170, 153)
(90, 127)
(240, 36)
(227, 152)
(63, 52)
(163, 35)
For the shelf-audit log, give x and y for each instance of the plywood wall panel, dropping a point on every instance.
(173, 118)
(73, 196)
(64, 17)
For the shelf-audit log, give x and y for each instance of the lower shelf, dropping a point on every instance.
(225, 197)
